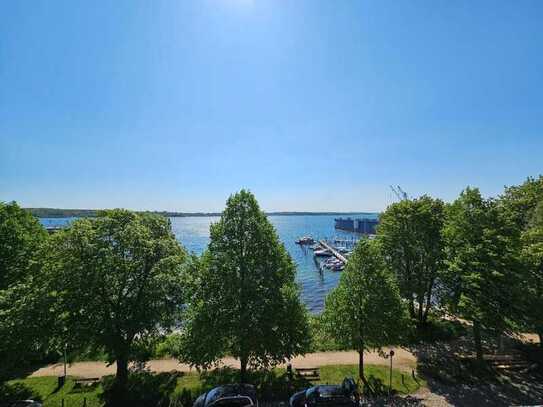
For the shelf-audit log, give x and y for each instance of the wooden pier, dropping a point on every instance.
(337, 254)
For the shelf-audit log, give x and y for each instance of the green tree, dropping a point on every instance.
(117, 284)
(523, 204)
(410, 233)
(246, 302)
(21, 235)
(482, 273)
(365, 311)
(520, 201)
(532, 260)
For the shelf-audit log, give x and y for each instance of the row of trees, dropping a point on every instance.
(121, 281)
(478, 259)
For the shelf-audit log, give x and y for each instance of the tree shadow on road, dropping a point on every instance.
(451, 372)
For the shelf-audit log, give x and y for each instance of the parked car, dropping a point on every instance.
(230, 395)
(344, 395)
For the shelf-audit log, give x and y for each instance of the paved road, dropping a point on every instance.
(403, 360)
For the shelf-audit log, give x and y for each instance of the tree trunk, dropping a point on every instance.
(421, 309)
(428, 303)
(243, 369)
(121, 378)
(361, 364)
(477, 339)
(412, 308)
(500, 343)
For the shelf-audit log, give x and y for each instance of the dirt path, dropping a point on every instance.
(403, 360)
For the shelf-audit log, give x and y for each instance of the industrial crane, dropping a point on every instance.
(399, 192)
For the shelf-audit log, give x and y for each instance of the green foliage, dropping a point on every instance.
(482, 277)
(532, 260)
(116, 282)
(321, 341)
(437, 330)
(411, 239)
(169, 346)
(365, 311)
(520, 201)
(144, 389)
(245, 301)
(523, 204)
(21, 236)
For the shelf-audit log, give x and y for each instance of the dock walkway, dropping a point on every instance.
(337, 254)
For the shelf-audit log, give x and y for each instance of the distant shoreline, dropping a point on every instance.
(90, 213)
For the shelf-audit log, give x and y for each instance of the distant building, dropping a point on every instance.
(365, 226)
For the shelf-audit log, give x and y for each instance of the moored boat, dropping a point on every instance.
(322, 253)
(305, 240)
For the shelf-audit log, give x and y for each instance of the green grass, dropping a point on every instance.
(44, 388)
(189, 381)
(401, 382)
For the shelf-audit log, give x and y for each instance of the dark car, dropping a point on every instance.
(327, 395)
(230, 395)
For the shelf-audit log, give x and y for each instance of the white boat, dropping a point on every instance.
(305, 240)
(322, 253)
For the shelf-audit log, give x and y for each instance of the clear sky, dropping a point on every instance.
(313, 105)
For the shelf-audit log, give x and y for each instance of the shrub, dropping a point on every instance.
(145, 389)
(16, 391)
(168, 347)
(183, 398)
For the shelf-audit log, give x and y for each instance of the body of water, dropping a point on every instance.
(193, 233)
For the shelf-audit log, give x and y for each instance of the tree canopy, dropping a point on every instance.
(532, 260)
(21, 236)
(410, 232)
(117, 283)
(245, 301)
(365, 311)
(482, 264)
(520, 201)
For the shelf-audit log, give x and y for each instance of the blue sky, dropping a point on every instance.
(313, 105)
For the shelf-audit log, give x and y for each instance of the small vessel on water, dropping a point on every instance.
(334, 264)
(305, 240)
(322, 253)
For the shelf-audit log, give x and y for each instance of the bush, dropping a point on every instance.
(16, 391)
(183, 398)
(144, 389)
(437, 330)
(168, 347)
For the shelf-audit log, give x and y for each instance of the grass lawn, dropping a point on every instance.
(402, 383)
(43, 388)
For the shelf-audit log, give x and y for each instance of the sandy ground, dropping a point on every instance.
(403, 360)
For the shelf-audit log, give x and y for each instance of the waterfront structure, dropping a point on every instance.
(365, 226)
